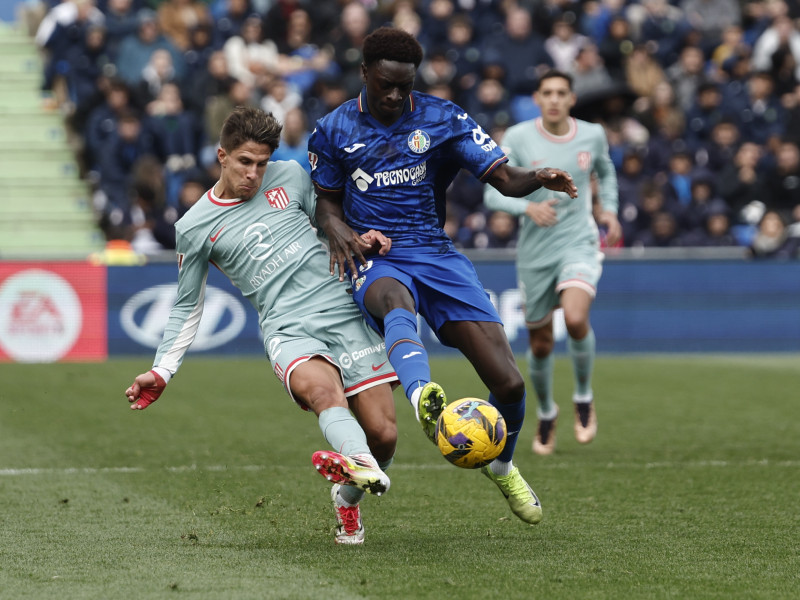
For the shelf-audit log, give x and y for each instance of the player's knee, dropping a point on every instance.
(510, 390)
(322, 397)
(577, 325)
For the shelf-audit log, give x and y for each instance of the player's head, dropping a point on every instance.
(554, 96)
(391, 58)
(249, 137)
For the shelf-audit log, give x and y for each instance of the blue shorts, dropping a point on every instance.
(445, 286)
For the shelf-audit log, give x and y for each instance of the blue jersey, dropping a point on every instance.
(394, 178)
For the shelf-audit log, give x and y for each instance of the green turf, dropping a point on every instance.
(691, 490)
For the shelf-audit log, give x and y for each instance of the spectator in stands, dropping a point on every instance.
(692, 216)
(741, 183)
(116, 162)
(714, 229)
(87, 64)
(782, 181)
(135, 49)
(488, 104)
(521, 50)
(158, 72)
(102, 122)
(279, 97)
(250, 57)
(199, 52)
(663, 232)
(720, 149)
(678, 185)
(772, 240)
(294, 139)
(780, 37)
(217, 108)
(616, 46)
(177, 19)
(62, 29)
(303, 61)
(436, 17)
(462, 49)
(642, 71)
(436, 68)
(354, 24)
(686, 75)
(761, 118)
(329, 93)
(710, 18)
(662, 25)
(732, 43)
(588, 71)
(176, 137)
(229, 16)
(195, 184)
(564, 43)
(121, 21)
(706, 111)
(501, 231)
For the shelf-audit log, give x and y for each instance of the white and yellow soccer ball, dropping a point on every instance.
(470, 433)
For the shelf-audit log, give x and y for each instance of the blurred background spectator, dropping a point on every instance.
(700, 99)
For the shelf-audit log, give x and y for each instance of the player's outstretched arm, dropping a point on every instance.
(518, 182)
(346, 246)
(145, 390)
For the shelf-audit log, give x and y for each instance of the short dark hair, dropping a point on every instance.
(552, 73)
(249, 124)
(388, 43)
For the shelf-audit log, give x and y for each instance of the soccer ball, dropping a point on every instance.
(470, 433)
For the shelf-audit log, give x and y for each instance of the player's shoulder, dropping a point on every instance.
(589, 128)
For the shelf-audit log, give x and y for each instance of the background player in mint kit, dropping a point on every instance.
(383, 161)
(558, 254)
(254, 226)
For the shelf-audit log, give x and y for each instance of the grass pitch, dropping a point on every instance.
(690, 490)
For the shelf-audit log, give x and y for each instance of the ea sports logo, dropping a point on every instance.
(40, 316)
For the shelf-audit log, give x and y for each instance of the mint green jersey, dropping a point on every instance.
(269, 250)
(582, 151)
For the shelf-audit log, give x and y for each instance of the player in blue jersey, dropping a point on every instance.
(254, 226)
(558, 254)
(383, 161)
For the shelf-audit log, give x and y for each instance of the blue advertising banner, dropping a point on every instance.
(139, 301)
(642, 306)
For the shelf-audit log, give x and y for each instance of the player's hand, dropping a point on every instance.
(543, 213)
(609, 219)
(557, 180)
(346, 246)
(145, 390)
(377, 242)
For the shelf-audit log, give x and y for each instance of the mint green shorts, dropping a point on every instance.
(540, 287)
(340, 336)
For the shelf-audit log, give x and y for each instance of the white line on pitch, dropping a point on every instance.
(396, 467)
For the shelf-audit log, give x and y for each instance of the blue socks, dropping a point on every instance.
(406, 352)
(514, 415)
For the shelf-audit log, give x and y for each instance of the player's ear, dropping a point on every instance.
(364, 72)
(221, 154)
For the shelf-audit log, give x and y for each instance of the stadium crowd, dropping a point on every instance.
(700, 99)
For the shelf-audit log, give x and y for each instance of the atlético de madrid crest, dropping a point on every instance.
(277, 198)
(419, 141)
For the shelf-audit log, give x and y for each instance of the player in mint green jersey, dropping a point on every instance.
(558, 254)
(254, 225)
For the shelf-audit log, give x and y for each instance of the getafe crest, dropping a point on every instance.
(419, 141)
